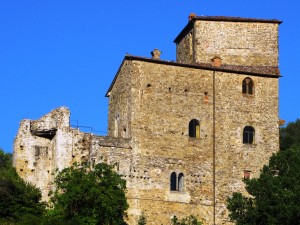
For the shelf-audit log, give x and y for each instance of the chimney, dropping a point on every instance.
(191, 16)
(216, 61)
(156, 54)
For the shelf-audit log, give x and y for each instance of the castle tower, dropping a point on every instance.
(201, 124)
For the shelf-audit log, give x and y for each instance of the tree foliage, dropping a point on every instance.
(189, 220)
(18, 199)
(290, 135)
(86, 195)
(274, 196)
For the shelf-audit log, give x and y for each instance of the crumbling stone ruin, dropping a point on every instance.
(182, 134)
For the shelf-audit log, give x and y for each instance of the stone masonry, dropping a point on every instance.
(182, 134)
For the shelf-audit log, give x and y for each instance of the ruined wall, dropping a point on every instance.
(37, 149)
(39, 155)
(33, 158)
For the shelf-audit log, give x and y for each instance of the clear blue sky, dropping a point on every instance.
(66, 52)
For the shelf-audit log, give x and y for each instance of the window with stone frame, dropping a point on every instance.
(194, 128)
(177, 183)
(248, 86)
(248, 135)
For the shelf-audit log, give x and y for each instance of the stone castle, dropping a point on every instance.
(182, 134)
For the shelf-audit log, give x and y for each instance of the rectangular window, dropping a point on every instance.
(247, 174)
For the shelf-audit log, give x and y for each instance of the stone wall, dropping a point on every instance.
(234, 111)
(38, 158)
(184, 49)
(119, 119)
(168, 97)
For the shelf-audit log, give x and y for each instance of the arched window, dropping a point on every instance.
(177, 184)
(248, 86)
(248, 135)
(173, 182)
(180, 182)
(194, 128)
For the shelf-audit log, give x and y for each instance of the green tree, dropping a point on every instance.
(190, 220)
(18, 199)
(86, 195)
(290, 135)
(274, 196)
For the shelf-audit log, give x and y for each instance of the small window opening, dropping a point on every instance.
(116, 132)
(194, 128)
(247, 174)
(37, 151)
(205, 97)
(248, 86)
(124, 132)
(248, 135)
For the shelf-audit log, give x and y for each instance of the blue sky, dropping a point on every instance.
(65, 53)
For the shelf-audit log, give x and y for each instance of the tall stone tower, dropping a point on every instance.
(183, 134)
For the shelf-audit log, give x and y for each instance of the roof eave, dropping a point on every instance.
(184, 31)
(115, 78)
(196, 66)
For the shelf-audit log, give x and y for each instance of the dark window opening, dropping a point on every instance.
(247, 174)
(37, 151)
(248, 135)
(194, 128)
(173, 184)
(248, 86)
